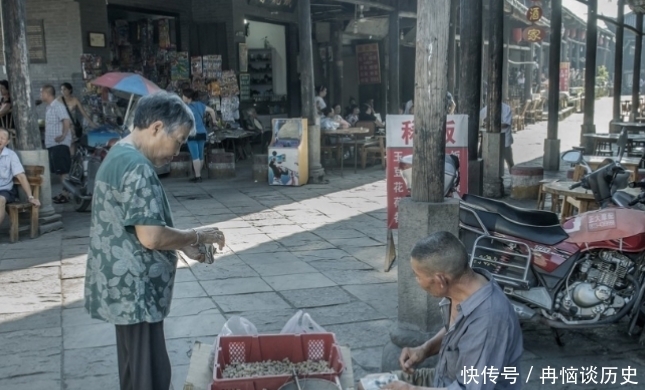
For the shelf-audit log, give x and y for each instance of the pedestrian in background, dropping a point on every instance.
(58, 138)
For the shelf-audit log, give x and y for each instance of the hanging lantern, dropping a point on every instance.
(517, 35)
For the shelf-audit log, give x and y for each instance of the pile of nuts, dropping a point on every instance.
(274, 367)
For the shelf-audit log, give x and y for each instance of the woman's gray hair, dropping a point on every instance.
(165, 107)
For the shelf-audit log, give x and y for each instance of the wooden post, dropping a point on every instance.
(338, 68)
(551, 160)
(493, 144)
(506, 67)
(528, 73)
(470, 83)
(17, 62)
(618, 59)
(394, 88)
(316, 171)
(588, 126)
(430, 79)
(452, 41)
(638, 50)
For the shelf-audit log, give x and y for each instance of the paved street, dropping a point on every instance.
(317, 247)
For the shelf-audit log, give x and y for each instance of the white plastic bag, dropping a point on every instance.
(235, 326)
(302, 323)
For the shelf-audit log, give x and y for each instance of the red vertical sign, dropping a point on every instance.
(369, 66)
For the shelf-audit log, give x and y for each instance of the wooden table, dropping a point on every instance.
(630, 163)
(631, 127)
(613, 138)
(583, 199)
(347, 132)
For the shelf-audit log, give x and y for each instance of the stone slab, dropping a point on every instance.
(268, 258)
(78, 316)
(316, 297)
(85, 363)
(345, 313)
(73, 292)
(298, 281)
(368, 358)
(344, 277)
(89, 335)
(348, 263)
(268, 321)
(222, 271)
(362, 334)
(316, 255)
(190, 306)
(235, 286)
(188, 290)
(48, 318)
(282, 268)
(206, 323)
(251, 302)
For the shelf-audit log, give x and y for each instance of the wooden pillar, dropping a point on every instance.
(506, 66)
(431, 85)
(528, 72)
(618, 59)
(588, 126)
(493, 143)
(638, 50)
(16, 55)
(452, 42)
(470, 77)
(316, 171)
(337, 71)
(394, 87)
(540, 64)
(551, 159)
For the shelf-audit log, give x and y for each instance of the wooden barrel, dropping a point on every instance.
(525, 182)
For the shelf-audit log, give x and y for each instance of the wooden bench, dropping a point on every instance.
(34, 177)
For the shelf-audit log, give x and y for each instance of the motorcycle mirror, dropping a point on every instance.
(572, 156)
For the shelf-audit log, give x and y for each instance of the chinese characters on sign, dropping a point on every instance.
(533, 34)
(399, 141)
(601, 221)
(564, 76)
(369, 66)
(534, 14)
(550, 375)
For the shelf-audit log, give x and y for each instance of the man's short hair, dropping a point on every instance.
(6, 131)
(441, 252)
(50, 89)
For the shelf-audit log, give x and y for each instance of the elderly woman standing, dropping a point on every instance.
(132, 257)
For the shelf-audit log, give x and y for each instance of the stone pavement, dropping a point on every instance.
(317, 247)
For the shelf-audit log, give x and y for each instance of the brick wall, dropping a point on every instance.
(62, 43)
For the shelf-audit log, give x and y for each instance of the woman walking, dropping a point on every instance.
(196, 143)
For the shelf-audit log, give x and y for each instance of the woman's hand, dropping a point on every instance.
(192, 252)
(211, 235)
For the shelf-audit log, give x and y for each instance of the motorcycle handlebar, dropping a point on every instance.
(576, 185)
(637, 184)
(635, 200)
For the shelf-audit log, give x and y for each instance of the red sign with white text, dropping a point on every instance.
(400, 135)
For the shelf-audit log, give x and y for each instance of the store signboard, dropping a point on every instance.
(245, 87)
(400, 135)
(564, 76)
(369, 67)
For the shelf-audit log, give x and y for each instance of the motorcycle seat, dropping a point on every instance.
(523, 216)
(493, 222)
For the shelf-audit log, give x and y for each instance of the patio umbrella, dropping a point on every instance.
(130, 83)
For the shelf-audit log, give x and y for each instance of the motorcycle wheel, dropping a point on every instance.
(81, 204)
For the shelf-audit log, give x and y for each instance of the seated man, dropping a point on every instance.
(10, 167)
(481, 330)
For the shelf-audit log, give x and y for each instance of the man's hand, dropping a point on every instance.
(410, 357)
(211, 235)
(398, 385)
(192, 252)
(34, 201)
(60, 138)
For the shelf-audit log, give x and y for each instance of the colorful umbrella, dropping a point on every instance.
(130, 83)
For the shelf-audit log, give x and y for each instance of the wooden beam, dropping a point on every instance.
(394, 46)
(618, 58)
(588, 126)
(430, 79)
(638, 50)
(554, 71)
(367, 3)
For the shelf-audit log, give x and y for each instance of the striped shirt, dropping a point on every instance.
(54, 117)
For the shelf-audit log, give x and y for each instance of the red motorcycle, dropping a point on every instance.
(587, 272)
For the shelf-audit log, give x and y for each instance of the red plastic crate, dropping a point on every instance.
(296, 347)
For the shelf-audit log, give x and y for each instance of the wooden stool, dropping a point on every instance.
(555, 199)
(34, 177)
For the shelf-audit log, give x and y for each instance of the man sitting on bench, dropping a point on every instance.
(10, 167)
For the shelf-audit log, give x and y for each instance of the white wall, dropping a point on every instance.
(277, 39)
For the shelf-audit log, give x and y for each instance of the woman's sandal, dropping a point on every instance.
(60, 198)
